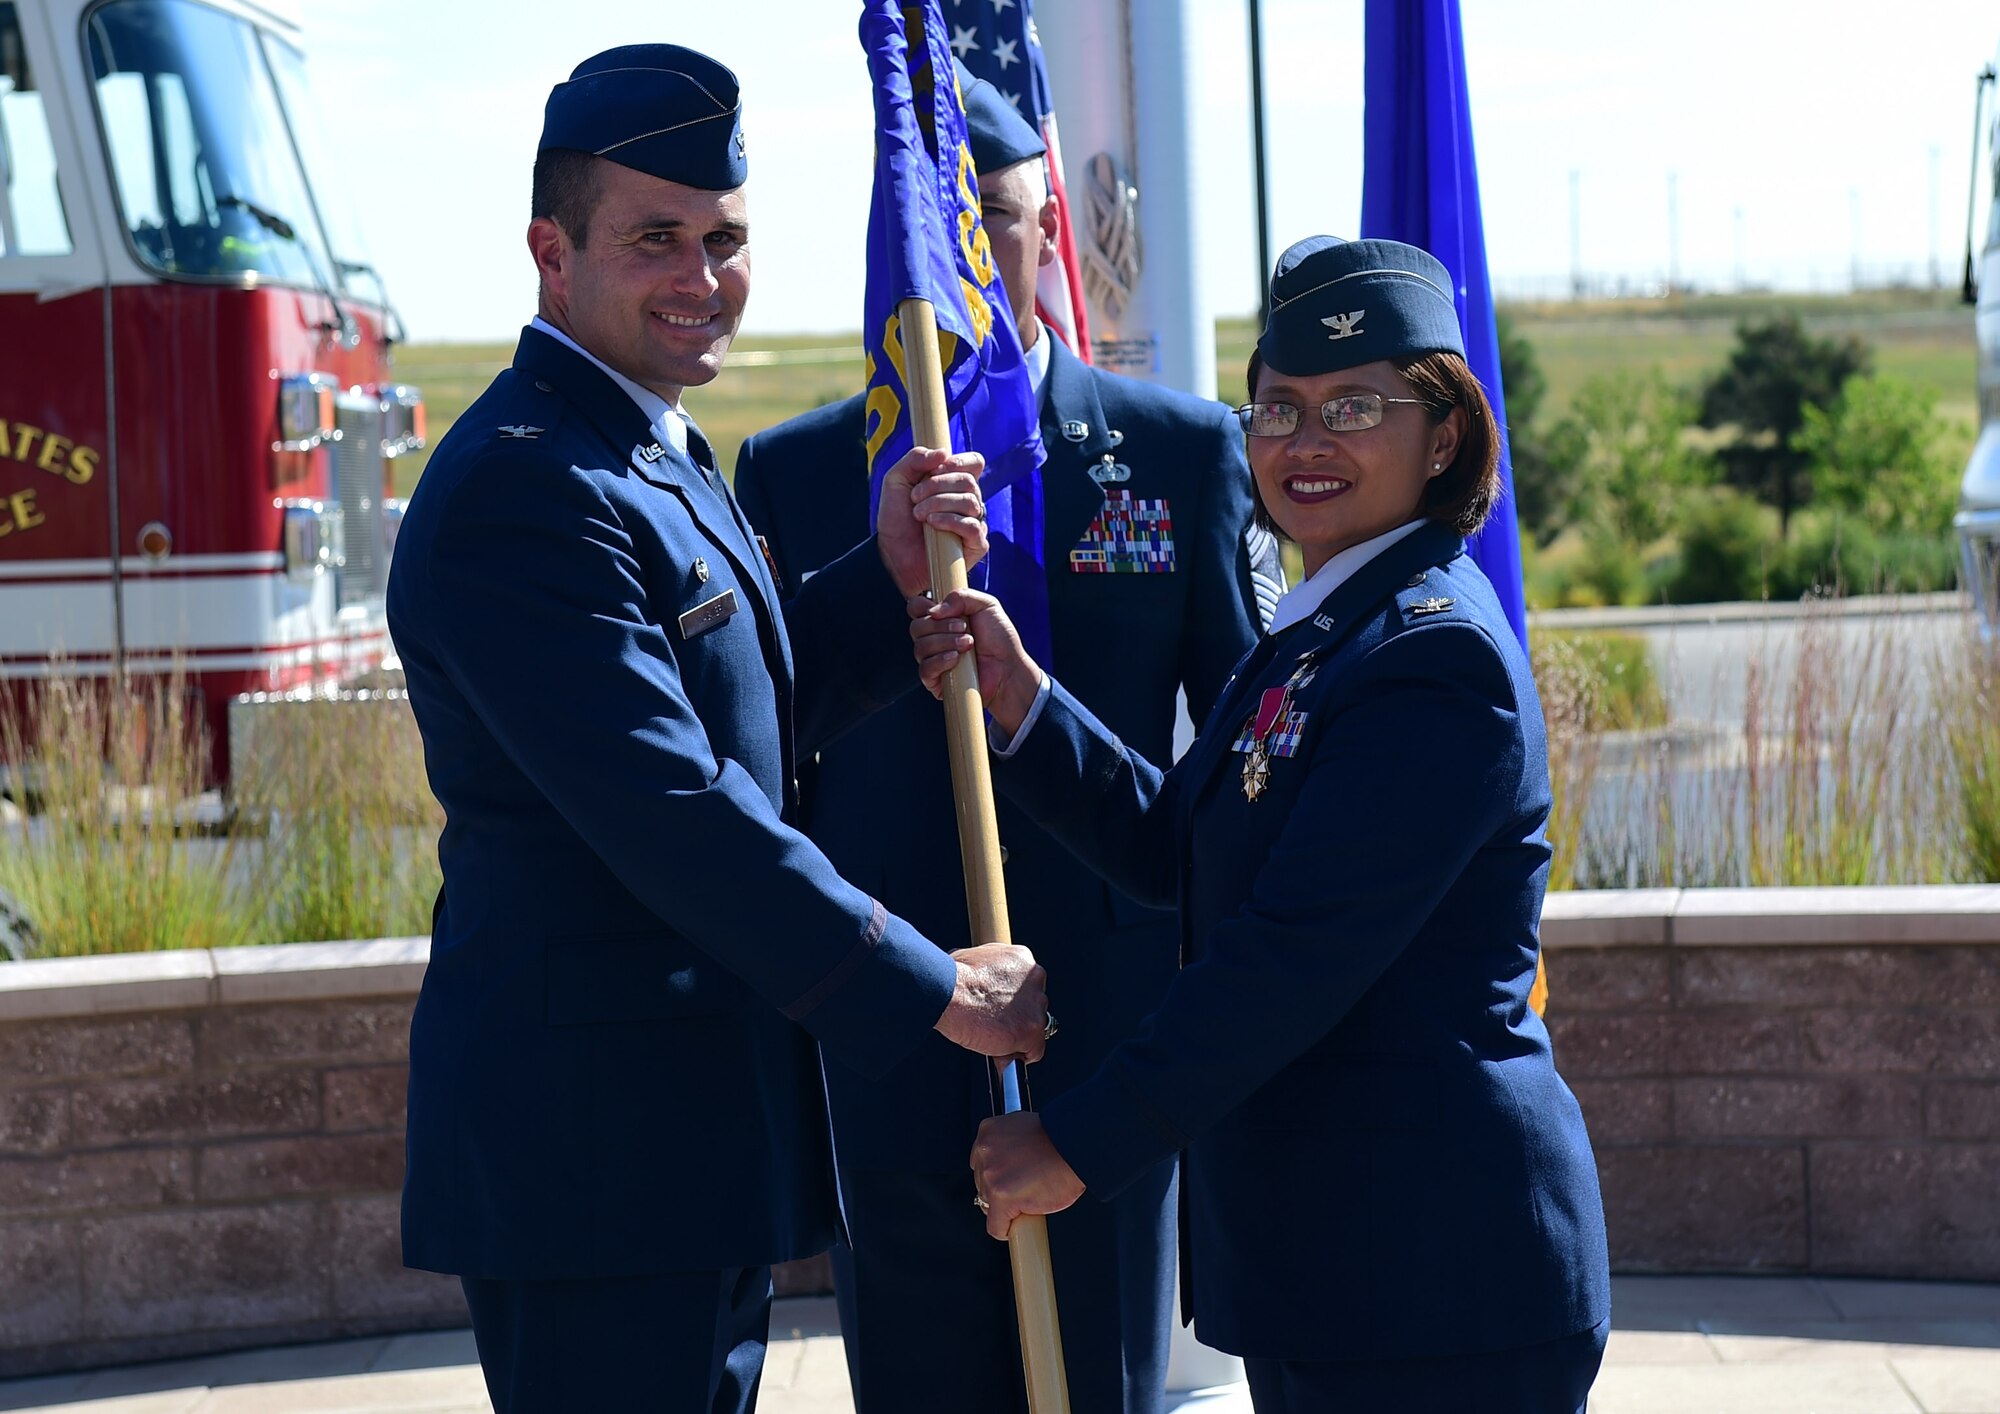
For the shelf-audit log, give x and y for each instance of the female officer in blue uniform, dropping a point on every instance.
(1389, 1198)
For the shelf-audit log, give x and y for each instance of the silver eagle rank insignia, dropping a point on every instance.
(1344, 326)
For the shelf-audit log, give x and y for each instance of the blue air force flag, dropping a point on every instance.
(1420, 185)
(925, 241)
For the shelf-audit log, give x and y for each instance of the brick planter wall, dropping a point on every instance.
(202, 1150)
(218, 1168)
(1801, 1080)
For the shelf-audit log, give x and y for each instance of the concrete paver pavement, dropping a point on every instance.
(1681, 1345)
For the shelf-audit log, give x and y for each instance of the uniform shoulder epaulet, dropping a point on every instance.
(1427, 596)
(531, 412)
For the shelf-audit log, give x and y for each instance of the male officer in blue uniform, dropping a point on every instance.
(1154, 571)
(617, 1117)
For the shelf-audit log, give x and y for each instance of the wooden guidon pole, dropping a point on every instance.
(979, 843)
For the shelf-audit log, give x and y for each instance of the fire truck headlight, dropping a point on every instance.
(392, 522)
(305, 412)
(402, 419)
(313, 539)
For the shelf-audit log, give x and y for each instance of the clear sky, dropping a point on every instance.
(1816, 122)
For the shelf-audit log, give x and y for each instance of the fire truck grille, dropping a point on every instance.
(357, 480)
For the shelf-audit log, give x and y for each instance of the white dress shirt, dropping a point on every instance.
(1037, 358)
(1303, 600)
(667, 421)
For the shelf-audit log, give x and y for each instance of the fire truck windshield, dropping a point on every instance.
(205, 155)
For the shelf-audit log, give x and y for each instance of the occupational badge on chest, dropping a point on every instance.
(1129, 536)
(1273, 731)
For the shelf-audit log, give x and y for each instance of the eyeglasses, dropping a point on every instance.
(1350, 412)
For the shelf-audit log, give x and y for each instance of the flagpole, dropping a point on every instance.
(979, 844)
(1257, 149)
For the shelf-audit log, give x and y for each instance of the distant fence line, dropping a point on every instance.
(1549, 288)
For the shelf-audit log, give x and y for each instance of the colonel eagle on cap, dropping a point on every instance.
(1339, 304)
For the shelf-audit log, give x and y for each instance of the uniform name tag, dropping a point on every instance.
(705, 616)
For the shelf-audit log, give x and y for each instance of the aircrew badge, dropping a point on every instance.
(1129, 536)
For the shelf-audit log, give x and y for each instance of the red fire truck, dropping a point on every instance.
(198, 422)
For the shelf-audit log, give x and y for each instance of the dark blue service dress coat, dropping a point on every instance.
(613, 1069)
(1381, 1162)
(1126, 639)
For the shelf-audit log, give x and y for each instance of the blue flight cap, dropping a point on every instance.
(1000, 135)
(1338, 304)
(656, 108)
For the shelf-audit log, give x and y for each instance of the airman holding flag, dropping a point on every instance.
(617, 1120)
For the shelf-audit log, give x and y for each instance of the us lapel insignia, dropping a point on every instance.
(521, 432)
(1129, 536)
(1424, 608)
(1075, 430)
(1323, 622)
(651, 453)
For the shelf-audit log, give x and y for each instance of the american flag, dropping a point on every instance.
(996, 40)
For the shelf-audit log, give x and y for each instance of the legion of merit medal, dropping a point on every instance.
(1256, 771)
(1257, 762)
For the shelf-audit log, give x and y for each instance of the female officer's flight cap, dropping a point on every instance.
(656, 108)
(1338, 304)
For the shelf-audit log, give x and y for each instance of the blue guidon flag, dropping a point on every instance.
(1420, 185)
(925, 241)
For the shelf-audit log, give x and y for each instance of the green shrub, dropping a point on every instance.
(1725, 549)
(1876, 455)
(334, 835)
(350, 826)
(106, 863)
(1626, 457)
(1607, 675)
(1971, 705)
(1610, 570)
(1837, 553)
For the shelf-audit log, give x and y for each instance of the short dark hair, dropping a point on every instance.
(566, 186)
(1462, 495)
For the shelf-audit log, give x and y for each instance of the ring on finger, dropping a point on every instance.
(979, 1202)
